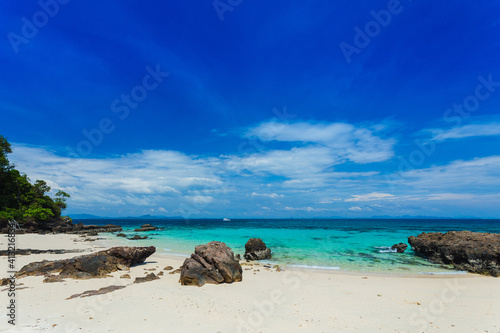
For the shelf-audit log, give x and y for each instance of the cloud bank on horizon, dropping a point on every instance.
(266, 110)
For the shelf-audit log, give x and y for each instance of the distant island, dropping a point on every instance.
(142, 217)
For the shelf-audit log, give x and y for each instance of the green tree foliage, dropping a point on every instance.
(19, 199)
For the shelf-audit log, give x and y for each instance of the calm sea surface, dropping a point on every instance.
(338, 244)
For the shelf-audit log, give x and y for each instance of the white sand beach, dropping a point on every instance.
(265, 301)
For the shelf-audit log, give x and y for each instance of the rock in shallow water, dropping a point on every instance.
(211, 263)
(146, 227)
(89, 266)
(470, 251)
(401, 247)
(256, 249)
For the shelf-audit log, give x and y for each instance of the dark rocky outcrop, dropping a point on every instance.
(211, 263)
(93, 265)
(256, 249)
(62, 225)
(23, 252)
(147, 227)
(465, 250)
(85, 229)
(400, 248)
(121, 235)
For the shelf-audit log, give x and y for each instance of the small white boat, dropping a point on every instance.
(226, 219)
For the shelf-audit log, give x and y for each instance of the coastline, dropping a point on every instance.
(294, 300)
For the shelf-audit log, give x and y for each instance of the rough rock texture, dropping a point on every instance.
(147, 227)
(121, 235)
(211, 263)
(83, 229)
(91, 265)
(401, 247)
(149, 277)
(4, 282)
(465, 250)
(256, 249)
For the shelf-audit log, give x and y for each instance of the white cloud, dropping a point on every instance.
(345, 141)
(328, 200)
(199, 199)
(268, 195)
(309, 209)
(371, 196)
(289, 163)
(450, 196)
(355, 209)
(141, 179)
(467, 131)
(480, 175)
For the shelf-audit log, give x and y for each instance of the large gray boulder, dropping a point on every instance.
(211, 263)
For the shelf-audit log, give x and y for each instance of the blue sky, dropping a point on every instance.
(256, 109)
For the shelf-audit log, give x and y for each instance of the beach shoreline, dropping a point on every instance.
(293, 300)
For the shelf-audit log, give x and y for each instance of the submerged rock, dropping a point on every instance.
(470, 251)
(401, 247)
(137, 237)
(256, 249)
(211, 263)
(89, 266)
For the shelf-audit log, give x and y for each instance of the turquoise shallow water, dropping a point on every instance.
(352, 245)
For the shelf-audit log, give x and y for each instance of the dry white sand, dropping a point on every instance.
(266, 301)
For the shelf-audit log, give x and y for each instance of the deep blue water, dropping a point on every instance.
(345, 244)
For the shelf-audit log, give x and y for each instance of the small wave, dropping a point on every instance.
(315, 267)
(385, 249)
(166, 249)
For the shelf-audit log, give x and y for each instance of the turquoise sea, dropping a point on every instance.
(330, 244)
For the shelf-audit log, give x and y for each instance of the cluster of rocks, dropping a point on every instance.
(465, 250)
(97, 264)
(63, 225)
